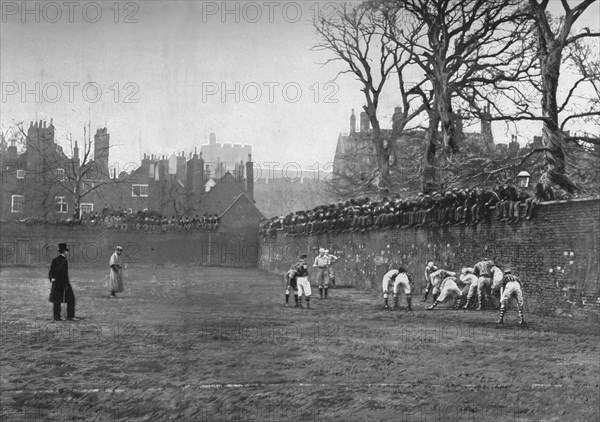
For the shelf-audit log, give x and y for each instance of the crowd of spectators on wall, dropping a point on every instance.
(126, 220)
(452, 207)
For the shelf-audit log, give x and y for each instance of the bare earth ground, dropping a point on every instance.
(213, 344)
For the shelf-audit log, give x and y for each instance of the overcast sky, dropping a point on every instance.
(162, 68)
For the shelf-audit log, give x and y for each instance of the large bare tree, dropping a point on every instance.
(555, 37)
(460, 42)
(358, 36)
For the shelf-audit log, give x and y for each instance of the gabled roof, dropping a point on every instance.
(221, 195)
(240, 197)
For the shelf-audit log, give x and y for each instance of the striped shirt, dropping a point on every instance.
(510, 278)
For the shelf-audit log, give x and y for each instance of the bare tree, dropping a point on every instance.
(460, 42)
(358, 36)
(78, 176)
(174, 196)
(558, 49)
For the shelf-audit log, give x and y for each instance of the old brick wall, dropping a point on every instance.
(36, 244)
(556, 254)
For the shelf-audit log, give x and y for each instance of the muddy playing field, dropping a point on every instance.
(211, 344)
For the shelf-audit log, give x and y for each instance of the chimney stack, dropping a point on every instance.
(250, 177)
(352, 122)
(365, 124)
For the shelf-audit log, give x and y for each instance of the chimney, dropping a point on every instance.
(352, 122)
(365, 124)
(51, 121)
(250, 177)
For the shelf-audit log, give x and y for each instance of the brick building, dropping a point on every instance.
(43, 181)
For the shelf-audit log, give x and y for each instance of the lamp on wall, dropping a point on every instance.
(523, 179)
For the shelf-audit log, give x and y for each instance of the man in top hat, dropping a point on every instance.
(322, 263)
(115, 278)
(61, 291)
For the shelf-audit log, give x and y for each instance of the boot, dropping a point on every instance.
(320, 293)
(521, 320)
(435, 303)
(502, 312)
(385, 303)
(456, 304)
(435, 296)
(287, 300)
(299, 303)
(479, 303)
(425, 297)
(307, 303)
(395, 301)
(409, 302)
(325, 290)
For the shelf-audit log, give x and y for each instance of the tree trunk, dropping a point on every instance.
(430, 150)
(552, 136)
(443, 106)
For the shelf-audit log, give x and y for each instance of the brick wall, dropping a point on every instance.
(23, 244)
(556, 254)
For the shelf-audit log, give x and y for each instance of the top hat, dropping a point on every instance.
(62, 247)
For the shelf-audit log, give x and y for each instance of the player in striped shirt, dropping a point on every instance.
(511, 286)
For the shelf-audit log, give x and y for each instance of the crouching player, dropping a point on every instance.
(471, 282)
(449, 287)
(511, 286)
(397, 278)
(437, 277)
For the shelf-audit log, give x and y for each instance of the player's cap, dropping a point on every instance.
(303, 256)
(119, 248)
(323, 250)
(507, 271)
(430, 264)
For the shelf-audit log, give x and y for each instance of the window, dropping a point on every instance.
(60, 174)
(17, 203)
(61, 204)
(86, 208)
(139, 190)
(20, 174)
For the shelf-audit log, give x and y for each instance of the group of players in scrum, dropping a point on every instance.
(483, 278)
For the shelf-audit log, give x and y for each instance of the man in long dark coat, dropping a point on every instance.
(61, 291)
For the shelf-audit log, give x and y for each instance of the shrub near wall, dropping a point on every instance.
(556, 254)
(92, 246)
